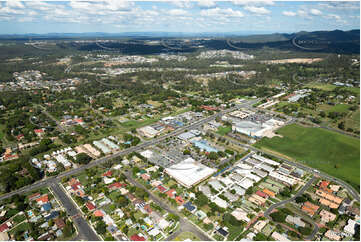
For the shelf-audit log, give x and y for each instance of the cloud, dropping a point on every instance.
(344, 5)
(289, 13)
(333, 16)
(206, 3)
(218, 12)
(315, 12)
(14, 4)
(253, 3)
(182, 4)
(257, 10)
(177, 12)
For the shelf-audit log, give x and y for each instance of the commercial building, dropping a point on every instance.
(282, 178)
(189, 172)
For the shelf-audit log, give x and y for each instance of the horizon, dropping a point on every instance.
(114, 17)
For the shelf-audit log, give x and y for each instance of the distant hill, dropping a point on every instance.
(336, 41)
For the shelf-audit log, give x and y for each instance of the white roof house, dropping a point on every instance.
(268, 161)
(246, 183)
(282, 178)
(350, 227)
(189, 172)
(220, 202)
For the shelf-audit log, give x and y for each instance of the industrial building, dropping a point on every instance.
(189, 172)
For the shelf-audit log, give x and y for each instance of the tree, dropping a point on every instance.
(278, 216)
(341, 125)
(201, 200)
(186, 152)
(101, 227)
(213, 155)
(83, 158)
(260, 237)
(301, 199)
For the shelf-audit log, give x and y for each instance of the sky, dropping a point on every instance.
(117, 16)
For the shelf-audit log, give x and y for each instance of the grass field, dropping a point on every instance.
(186, 235)
(321, 86)
(319, 148)
(223, 130)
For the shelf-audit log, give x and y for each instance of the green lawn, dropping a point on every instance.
(19, 218)
(319, 148)
(223, 130)
(186, 235)
(321, 86)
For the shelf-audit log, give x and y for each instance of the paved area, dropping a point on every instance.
(85, 232)
(184, 225)
(299, 193)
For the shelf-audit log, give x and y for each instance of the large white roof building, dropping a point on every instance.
(189, 172)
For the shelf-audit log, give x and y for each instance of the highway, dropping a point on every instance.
(184, 225)
(48, 181)
(85, 232)
(299, 193)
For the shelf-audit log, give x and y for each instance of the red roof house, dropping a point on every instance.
(116, 185)
(4, 227)
(262, 194)
(108, 173)
(136, 237)
(171, 193)
(145, 177)
(90, 206)
(43, 199)
(324, 184)
(98, 213)
(179, 200)
(161, 188)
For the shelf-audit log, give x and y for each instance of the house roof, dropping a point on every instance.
(171, 193)
(136, 237)
(90, 206)
(261, 194)
(59, 223)
(108, 173)
(43, 199)
(189, 206)
(98, 213)
(46, 206)
(161, 188)
(179, 200)
(3, 227)
(222, 231)
(117, 185)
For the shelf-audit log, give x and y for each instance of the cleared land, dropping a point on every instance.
(223, 130)
(331, 152)
(186, 235)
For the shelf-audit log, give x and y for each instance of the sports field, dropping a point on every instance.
(331, 152)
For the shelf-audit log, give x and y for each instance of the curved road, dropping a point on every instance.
(299, 193)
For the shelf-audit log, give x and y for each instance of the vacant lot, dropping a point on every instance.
(186, 235)
(333, 153)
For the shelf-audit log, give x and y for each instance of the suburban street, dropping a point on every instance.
(184, 225)
(299, 193)
(85, 232)
(48, 181)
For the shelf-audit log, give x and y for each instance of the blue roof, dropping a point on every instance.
(189, 206)
(47, 206)
(52, 215)
(203, 145)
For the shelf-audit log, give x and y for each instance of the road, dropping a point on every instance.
(184, 225)
(48, 181)
(299, 193)
(61, 128)
(84, 230)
